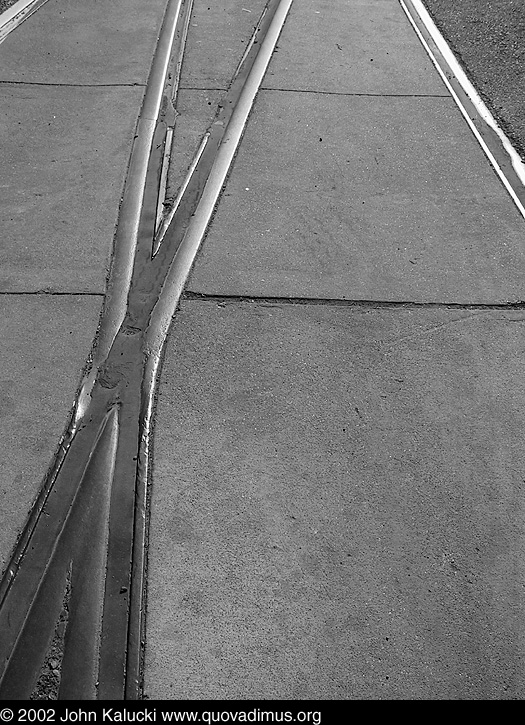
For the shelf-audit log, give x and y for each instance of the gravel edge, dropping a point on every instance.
(5, 4)
(488, 39)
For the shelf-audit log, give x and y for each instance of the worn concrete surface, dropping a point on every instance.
(363, 198)
(337, 489)
(338, 505)
(66, 152)
(351, 46)
(71, 87)
(84, 42)
(45, 343)
(219, 33)
(196, 111)
(338, 493)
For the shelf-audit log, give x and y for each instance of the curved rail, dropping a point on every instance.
(74, 589)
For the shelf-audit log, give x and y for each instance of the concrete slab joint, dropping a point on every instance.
(296, 238)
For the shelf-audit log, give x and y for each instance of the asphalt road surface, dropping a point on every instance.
(488, 38)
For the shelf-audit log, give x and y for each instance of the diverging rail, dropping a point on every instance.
(73, 592)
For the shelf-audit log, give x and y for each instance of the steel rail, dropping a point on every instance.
(185, 256)
(11, 18)
(248, 77)
(66, 476)
(496, 145)
(75, 587)
(125, 242)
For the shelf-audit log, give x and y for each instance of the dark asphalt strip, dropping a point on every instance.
(496, 145)
(488, 39)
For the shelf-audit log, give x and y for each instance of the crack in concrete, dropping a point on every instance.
(52, 293)
(199, 88)
(372, 95)
(72, 85)
(369, 304)
(399, 340)
(324, 93)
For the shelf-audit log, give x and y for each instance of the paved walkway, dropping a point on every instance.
(337, 500)
(72, 79)
(338, 488)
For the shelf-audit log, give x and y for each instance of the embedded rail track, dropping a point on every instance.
(13, 12)
(74, 588)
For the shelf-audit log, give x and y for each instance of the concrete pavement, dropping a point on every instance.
(337, 489)
(72, 79)
(337, 505)
(337, 501)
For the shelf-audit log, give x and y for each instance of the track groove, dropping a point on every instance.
(100, 476)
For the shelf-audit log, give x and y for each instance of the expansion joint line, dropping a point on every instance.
(315, 92)
(188, 295)
(84, 547)
(50, 293)
(71, 85)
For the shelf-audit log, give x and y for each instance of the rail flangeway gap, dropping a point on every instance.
(80, 559)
